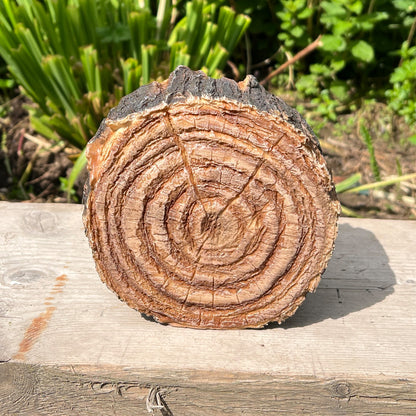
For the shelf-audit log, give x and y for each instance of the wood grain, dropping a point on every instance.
(32, 390)
(209, 204)
(356, 333)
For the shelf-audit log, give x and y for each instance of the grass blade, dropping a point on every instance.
(349, 212)
(217, 58)
(132, 73)
(382, 184)
(79, 165)
(370, 147)
(348, 183)
(148, 53)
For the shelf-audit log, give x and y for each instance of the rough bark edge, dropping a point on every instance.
(184, 83)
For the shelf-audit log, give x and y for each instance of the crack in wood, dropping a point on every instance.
(155, 401)
(258, 166)
(178, 141)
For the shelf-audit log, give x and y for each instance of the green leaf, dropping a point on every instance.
(337, 65)
(363, 51)
(349, 212)
(304, 14)
(113, 34)
(343, 27)
(75, 58)
(294, 5)
(148, 54)
(236, 31)
(320, 69)
(63, 81)
(332, 43)
(339, 89)
(10, 11)
(297, 31)
(194, 16)
(399, 75)
(75, 172)
(205, 46)
(140, 26)
(333, 9)
(412, 139)
(356, 7)
(164, 12)
(89, 59)
(179, 55)
(132, 72)
(284, 16)
(405, 5)
(7, 83)
(216, 58)
(370, 147)
(41, 125)
(308, 85)
(382, 184)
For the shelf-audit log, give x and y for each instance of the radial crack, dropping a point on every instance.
(251, 178)
(168, 124)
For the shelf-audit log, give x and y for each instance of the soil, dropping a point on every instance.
(31, 168)
(347, 154)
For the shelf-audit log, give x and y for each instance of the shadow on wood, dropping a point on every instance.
(358, 284)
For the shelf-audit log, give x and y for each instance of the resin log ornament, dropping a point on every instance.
(209, 204)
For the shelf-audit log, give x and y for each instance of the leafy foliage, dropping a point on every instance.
(360, 44)
(347, 27)
(76, 58)
(402, 97)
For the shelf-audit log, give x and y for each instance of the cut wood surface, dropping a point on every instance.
(210, 204)
(70, 347)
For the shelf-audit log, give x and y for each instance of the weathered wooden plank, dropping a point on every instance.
(27, 389)
(359, 328)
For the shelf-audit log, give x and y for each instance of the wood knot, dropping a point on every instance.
(342, 389)
(40, 222)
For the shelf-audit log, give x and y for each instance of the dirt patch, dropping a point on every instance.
(347, 154)
(31, 168)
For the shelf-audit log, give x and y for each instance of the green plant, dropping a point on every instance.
(347, 28)
(351, 185)
(360, 39)
(402, 96)
(202, 40)
(293, 30)
(412, 139)
(368, 140)
(75, 59)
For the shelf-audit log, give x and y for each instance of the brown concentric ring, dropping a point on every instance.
(210, 215)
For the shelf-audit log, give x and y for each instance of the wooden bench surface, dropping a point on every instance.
(69, 346)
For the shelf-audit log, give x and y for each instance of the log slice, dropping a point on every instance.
(209, 203)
